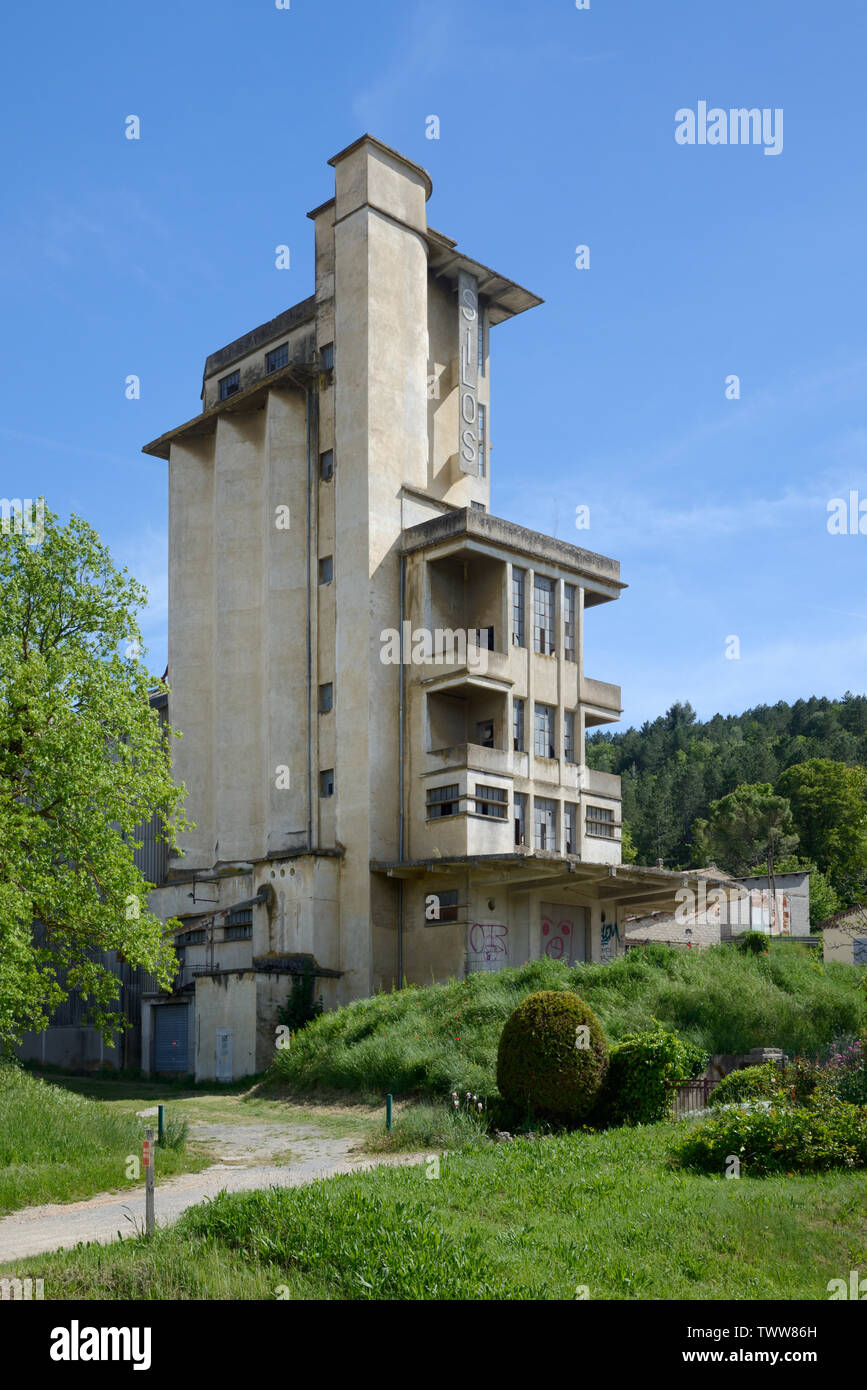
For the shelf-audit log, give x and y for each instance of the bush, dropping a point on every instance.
(300, 1008)
(844, 1075)
(429, 1040)
(175, 1134)
(753, 943)
(763, 1082)
(777, 1140)
(541, 1063)
(643, 1070)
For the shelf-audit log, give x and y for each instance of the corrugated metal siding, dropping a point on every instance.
(134, 982)
(153, 857)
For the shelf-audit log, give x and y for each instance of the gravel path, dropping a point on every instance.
(242, 1148)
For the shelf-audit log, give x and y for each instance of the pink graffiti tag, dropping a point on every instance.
(559, 946)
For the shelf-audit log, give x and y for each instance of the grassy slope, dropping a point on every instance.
(429, 1041)
(528, 1219)
(56, 1146)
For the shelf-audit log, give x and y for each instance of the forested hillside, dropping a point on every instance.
(673, 768)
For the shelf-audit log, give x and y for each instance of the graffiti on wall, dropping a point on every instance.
(487, 946)
(563, 932)
(558, 938)
(610, 935)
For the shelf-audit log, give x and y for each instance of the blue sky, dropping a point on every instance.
(556, 129)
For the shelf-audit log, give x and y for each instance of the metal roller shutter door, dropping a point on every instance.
(171, 1037)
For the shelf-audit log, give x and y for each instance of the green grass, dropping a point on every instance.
(425, 1127)
(530, 1219)
(430, 1041)
(57, 1146)
(236, 1103)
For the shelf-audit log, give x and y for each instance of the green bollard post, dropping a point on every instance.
(388, 1104)
(161, 1124)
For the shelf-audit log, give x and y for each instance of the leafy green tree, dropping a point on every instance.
(83, 763)
(628, 852)
(674, 767)
(749, 826)
(829, 807)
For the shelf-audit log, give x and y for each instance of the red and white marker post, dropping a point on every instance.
(147, 1158)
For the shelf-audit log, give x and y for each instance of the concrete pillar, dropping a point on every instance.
(380, 424)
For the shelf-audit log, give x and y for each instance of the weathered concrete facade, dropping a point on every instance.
(385, 806)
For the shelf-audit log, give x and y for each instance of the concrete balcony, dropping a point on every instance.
(601, 702)
(480, 666)
(499, 761)
(595, 783)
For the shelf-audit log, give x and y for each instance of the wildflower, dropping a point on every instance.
(480, 1105)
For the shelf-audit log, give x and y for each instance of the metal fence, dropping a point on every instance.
(694, 1095)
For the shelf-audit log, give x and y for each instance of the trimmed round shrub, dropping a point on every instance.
(552, 1056)
(764, 1082)
(643, 1072)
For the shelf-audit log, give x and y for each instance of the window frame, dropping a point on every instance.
(604, 817)
(432, 800)
(544, 608)
(570, 598)
(569, 736)
(519, 817)
(492, 802)
(519, 725)
(519, 596)
(223, 384)
(270, 365)
(539, 733)
(570, 820)
(448, 911)
(548, 807)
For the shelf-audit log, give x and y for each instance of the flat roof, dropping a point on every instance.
(619, 884)
(505, 298)
(303, 312)
(297, 375)
(474, 524)
(391, 152)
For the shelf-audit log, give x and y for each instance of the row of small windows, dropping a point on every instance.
(238, 926)
(275, 358)
(543, 614)
(493, 801)
(544, 724)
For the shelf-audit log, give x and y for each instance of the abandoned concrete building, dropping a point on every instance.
(708, 916)
(379, 683)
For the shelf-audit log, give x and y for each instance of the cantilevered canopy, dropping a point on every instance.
(623, 886)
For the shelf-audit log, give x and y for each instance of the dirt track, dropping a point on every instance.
(104, 1217)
